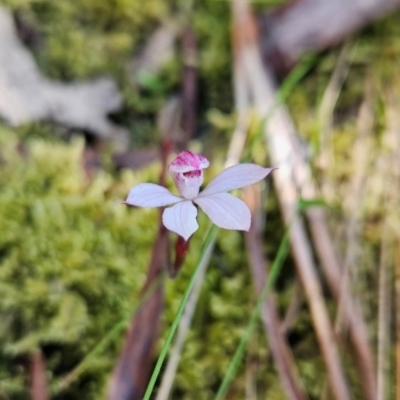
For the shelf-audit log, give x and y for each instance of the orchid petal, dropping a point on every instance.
(151, 195)
(181, 219)
(226, 211)
(236, 177)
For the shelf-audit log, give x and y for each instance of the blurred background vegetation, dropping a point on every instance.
(73, 259)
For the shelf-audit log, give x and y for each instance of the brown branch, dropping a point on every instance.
(389, 171)
(393, 145)
(38, 382)
(354, 198)
(286, 147)
(326, 109)
(189, 86)
(331, 265)
(242, 104)
(132, 372)
(279, 135)
(384, 310)
(397, 320)
(281, 353)
(314, 25)
(294, 307)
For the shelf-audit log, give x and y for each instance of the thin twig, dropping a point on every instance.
(397, 319)
(354, 199)
(281, 352)
(38, 382)
(276, 267)
(293, 308)
(184, 325)
(233, 156)
(356, 191)
(325, 114)
(389, 252)
(295, 180)
(303, 26)
(130, 375)
(383, 369)
(278, 135)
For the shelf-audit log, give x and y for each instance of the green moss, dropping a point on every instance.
(72, 259)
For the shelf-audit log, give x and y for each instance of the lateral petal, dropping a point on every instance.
(226, 211)
(151, 195)
(236, 177)
(181, 219)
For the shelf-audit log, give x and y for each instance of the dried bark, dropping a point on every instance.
(314, 25)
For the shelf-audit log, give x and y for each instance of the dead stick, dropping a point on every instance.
(384, 307)
(234, 153)
(276, 135)
(38, 382)
(313, 25)
(132, 371)
(283, 143)
(281, 353)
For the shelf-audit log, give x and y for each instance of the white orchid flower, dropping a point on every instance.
(224, 210)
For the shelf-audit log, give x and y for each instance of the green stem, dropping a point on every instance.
(272, 277)
(211, 235)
